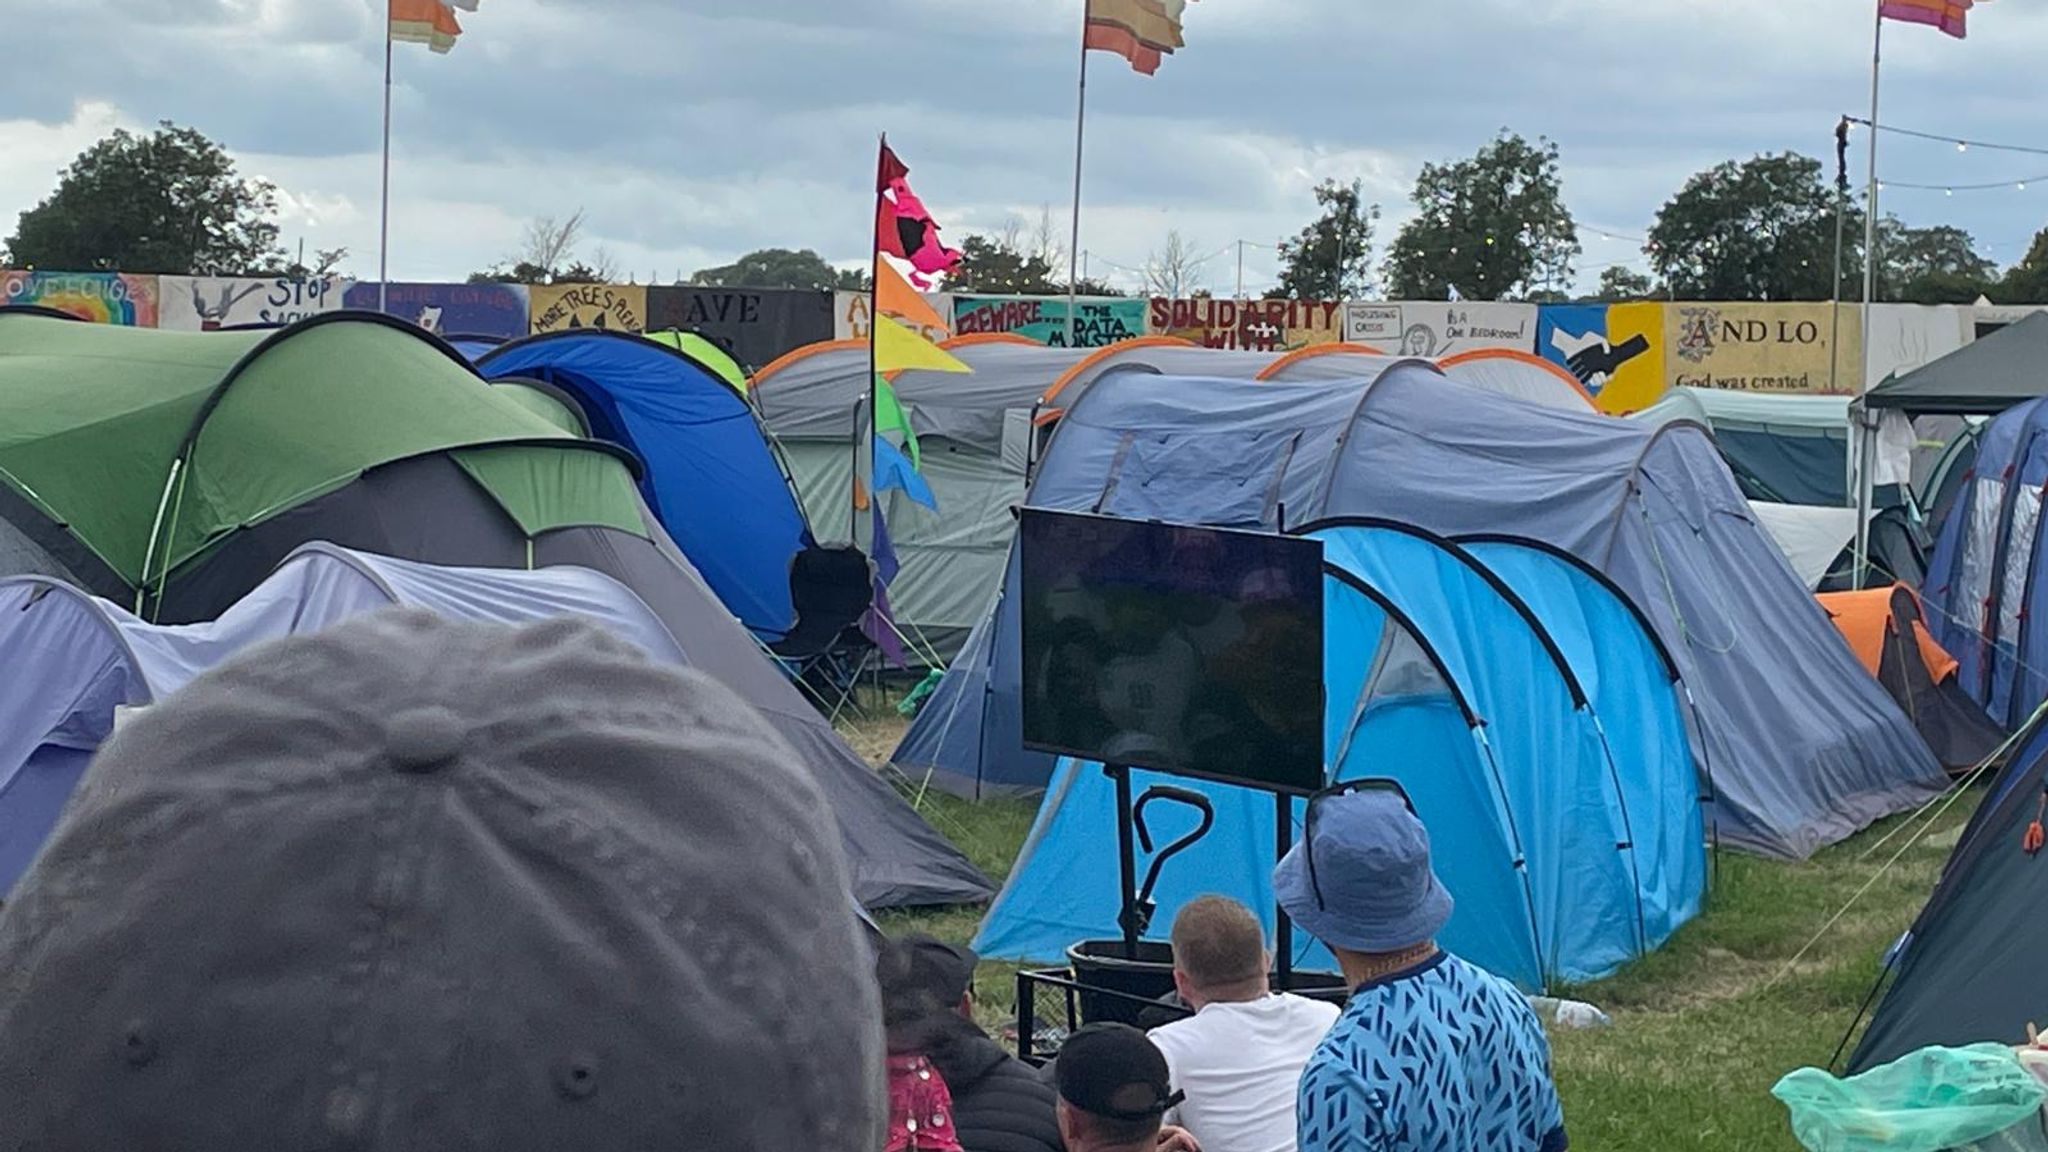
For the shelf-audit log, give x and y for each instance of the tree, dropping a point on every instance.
(1937, 265)
(775, 268)
(1493, 227)
(170, 202)
(997, 265)
(1332, 258)
(547, 255)
(1763, 229)
(1173, 270)
(2027, 281)
(326, 262)
(1619, 284)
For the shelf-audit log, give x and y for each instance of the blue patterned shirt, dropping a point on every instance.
(1443, 1057)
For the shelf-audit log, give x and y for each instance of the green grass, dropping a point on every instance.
(1702, 1028)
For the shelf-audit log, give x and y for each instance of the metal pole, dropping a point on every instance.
(1074, 239)
(1127, 860)
(1841, 226)
(384, 209)
(1240, 271)
(1861, 555)
(1283, 928)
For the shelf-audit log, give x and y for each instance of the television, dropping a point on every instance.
(1188, 650)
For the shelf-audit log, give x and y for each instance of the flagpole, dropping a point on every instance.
(874, 324)
(384, 210)
(1074, 241)
(1865, 470)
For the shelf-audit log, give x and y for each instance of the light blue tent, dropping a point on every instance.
(1804, 746)
(1440, 675)
(712, 477)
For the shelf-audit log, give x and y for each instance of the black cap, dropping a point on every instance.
(1115, 1071)
(415, 884)
(945, 970)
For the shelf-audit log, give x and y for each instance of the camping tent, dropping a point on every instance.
(1970, 969)
(205, 458)
(981, 432)
(1567, 855)
(1782, 449)
(978, 433)
(77, 659)
(710, 474)
(1982, 378)
(1504, 370)
(705, 352)
(1803, 746)
(1887, 631)
(1984, 589)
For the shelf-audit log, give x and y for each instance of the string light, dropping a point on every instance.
(1952, 189)
(1962, 144)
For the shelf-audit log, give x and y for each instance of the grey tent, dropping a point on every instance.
(1801, 746)
(1982, 378)
(980, 432)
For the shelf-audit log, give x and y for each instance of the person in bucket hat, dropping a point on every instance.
(1431, 1052)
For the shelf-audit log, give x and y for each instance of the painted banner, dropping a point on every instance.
(1376, 324)
(207, 303)
(850, 316)
(559, 307)
(1616, 351)
(1098, 320)
(451, 309)
(1763, 347)
(102, 297)
(1906, 336)
(1440, 330)
(1255, 325)
(752, 325)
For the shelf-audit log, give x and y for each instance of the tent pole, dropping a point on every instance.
(384, 208)
(1865, 433)
(1074, 236)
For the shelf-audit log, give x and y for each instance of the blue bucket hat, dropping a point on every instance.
(1359, 878)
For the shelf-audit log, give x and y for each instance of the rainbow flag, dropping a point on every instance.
(1951, 16)
(1143, 32)
(429, 22)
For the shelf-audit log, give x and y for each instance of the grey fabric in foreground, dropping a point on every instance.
(413, 884)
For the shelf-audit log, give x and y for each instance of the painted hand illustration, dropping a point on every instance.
(1592, 359)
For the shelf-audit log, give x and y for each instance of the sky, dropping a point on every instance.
(689, 132)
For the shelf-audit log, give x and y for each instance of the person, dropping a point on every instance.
(1431, 1052)
(1115, 1092)
(998, 1103)
(409, 883)
(1239, 1058)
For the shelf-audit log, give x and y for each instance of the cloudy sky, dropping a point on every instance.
(691, 131)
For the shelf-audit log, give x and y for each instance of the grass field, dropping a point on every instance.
(1702, 1028)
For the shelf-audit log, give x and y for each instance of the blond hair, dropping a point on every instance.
(1218, 943)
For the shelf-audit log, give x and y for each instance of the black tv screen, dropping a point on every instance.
(1196, 651)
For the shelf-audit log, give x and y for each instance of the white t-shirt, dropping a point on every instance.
(1240, 1065)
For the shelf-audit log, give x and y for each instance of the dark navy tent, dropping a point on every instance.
(1803, 746)
(712, 476)
(1971, 971)
(1984, 593)
(1567, 858)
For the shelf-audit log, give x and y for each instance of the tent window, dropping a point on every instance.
(2012, 594)
(1979, 550)
(1226, 480)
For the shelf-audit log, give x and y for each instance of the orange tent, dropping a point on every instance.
(1886, 630)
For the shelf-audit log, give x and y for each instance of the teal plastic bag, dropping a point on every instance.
(925, 687)
(1931, 1100)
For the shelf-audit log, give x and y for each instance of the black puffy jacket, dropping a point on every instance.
(1000, 1103)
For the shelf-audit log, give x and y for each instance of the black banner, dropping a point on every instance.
(754, 325)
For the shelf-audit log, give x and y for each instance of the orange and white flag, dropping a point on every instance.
(429, 22)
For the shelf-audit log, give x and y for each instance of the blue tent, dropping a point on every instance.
(1440, 675)
(1984, 594)
(1804, 746)
(712, 477)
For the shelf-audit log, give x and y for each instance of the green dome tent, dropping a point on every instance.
(171, 472)
(711, 356)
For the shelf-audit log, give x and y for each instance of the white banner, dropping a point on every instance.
(1376, 324)
(1906, 336)
(205, 303)
(1439, 330)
